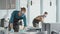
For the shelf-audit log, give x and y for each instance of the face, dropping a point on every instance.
(45, 14)
(23, 11)
(19, 14)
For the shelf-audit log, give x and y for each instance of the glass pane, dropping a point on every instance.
(7, 4)
(2, 4)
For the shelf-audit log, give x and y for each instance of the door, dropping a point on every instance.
(34, 10)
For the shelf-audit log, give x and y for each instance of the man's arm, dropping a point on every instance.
(24, 19)
(11, 20)
(42, 20)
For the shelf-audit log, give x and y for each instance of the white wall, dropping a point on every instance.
(51, 18)
(9, 12)
(4, 12)
(58, 11)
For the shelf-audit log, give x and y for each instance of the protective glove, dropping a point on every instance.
(12, 30)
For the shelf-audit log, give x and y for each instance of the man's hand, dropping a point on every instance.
(21, 27)
(11, 25)
(25, 28)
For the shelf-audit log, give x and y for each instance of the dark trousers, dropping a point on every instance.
(35, 22)
(16, 26)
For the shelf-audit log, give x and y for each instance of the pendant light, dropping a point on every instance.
(31, 2)
(50, 3)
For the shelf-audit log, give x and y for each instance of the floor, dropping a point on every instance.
(33, 32)
(27, 33)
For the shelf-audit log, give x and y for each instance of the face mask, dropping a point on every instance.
(44, 15)
(22, 12)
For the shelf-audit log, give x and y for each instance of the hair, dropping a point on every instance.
(23, 9)
(45, 12)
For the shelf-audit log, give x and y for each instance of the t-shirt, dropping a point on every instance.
(15, 15)
(40, 19)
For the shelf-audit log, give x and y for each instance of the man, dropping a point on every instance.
(15, 17)
(39, 19)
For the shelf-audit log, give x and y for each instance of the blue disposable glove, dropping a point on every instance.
(12, 30)
(22, 31)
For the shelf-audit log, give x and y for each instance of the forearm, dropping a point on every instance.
(42, 20)
(11, 25)
(25, 25)
(24, 19)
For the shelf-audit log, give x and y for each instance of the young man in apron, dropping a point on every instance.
(15, 17)
(39, 19)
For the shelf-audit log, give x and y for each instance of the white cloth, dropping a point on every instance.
(6, 24)
(40, 25)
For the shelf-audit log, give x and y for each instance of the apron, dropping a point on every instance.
(16, 24)
(35, 22)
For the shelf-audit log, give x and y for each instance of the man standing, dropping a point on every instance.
(15, 17)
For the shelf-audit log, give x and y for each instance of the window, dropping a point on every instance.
(7, 4)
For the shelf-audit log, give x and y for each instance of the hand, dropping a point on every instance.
(25, 28)
(12, 30)
(11, 25)
(21, 27)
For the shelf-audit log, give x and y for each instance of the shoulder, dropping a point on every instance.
(15, 11)
(41, 15)
(23, 15)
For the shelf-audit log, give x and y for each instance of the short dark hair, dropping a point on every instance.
(23, 9)
(45, 12)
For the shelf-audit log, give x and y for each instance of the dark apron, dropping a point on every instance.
(16, 25)
(35, 22)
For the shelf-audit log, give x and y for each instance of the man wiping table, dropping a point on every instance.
(15, 17)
